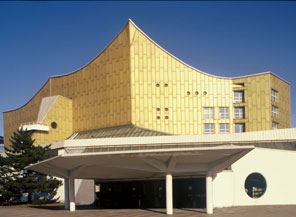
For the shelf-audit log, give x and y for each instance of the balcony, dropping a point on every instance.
(34, 126)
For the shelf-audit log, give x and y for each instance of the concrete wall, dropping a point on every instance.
(278, 169)
(84, 192)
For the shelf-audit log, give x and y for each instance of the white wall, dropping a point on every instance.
(278, 168)
(223, 189)
(84, 192)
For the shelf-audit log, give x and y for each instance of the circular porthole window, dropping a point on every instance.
(255, 185)
(54, 125)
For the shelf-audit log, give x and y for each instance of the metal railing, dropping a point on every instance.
(33, 123)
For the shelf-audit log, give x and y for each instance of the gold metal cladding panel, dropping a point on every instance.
(283, 103)
(27, 113)
(169, 96)
(259, 104)
(61, 114)
(100, 92)
(257, 101)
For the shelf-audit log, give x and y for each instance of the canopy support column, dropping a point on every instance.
(66, 192)
(72, 194)
(209, 192)
(169, 194)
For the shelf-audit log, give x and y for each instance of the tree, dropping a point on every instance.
(20, 154)
(9, 187)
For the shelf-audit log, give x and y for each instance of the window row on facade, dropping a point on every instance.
(239, 113)
(239, 96)
(209, 128)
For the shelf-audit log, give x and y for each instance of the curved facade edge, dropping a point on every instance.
(48, 80)
(70, 73)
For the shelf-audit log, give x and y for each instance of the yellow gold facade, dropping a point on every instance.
(61, 114)
(135, 81)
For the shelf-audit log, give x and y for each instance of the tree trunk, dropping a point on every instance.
(30, 198)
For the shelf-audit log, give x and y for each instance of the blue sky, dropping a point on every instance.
(43, 39)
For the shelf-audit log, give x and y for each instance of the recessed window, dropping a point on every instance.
(275, 125)
(196, 93)
(205, 93)
(240, 128)
(224, 128)
(166, 85)
(275, 111)
(224, 112)
(238, 96)
(274, 95)
(157, 117)
(158, 109)
(166, 117)
(157, 85)
(208, 113)
(209, 129)
(166, 109)
(255, 185)
(54, 125)
(239, 113)
(188, 93)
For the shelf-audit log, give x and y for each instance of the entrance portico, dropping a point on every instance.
(86, 159)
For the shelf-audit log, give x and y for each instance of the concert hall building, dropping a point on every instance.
(139, 128)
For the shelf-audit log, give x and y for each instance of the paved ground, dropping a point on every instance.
(57, 211)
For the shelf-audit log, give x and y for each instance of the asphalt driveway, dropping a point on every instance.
(57, 211)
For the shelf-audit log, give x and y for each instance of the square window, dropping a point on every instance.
(239, 113)
(275, 125)
(238, 96)
(209, 113)
(240, 128)
(224, 128)
(275, 111)
(224, 112)
(274, 95)
(209, 129)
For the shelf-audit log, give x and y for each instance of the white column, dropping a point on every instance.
(72, 194)
(66, 192)
(209, 190)
(169, 193)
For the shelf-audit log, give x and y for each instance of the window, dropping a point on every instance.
(224, 128)
(239, 128)
(274, 95)
(209, 113)
(224, 112)
(239, 113)
(54, 125)
(209, 129)
(255, 185)
(238, 96)
(274, 111)
(275, 125)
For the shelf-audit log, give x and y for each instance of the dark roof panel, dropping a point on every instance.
(118, 131)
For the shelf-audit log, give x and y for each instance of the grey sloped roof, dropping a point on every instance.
(118, 131)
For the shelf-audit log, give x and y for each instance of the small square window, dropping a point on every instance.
(275, 125)
(240, 128)
(209, 129)
(239, 113)
(274, 95)
(209, 113)
(238, 96)
(224, 112)
(224, 128)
